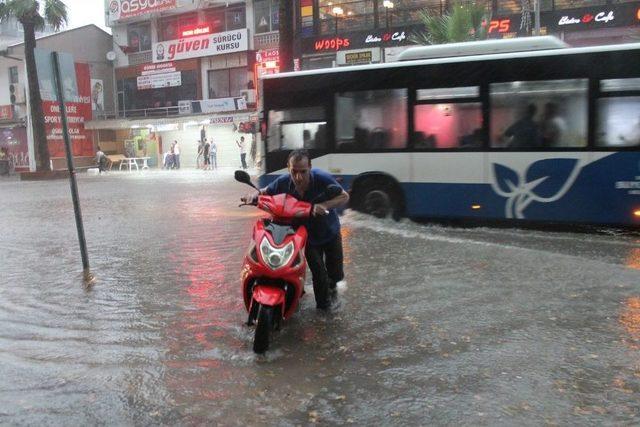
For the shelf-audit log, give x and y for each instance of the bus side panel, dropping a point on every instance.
(579, 187)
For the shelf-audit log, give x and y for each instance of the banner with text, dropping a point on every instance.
(207, 45)
(78, 112)
(123, 9)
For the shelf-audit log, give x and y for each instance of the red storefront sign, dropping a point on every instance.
(196, 30)
(6, 112)
(78, 112)
(122, 9)
(335, 43)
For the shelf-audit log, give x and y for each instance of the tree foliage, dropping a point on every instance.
(34, 15)
(464, 22)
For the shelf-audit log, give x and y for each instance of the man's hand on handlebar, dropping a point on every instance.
(319, 210)
(250, 199)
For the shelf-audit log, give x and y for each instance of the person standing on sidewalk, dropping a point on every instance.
(243, 151)
(205, 155)
(213, 154)
(176, 154)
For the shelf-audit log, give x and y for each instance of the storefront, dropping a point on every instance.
(13, 139)
(587, 26)
(153, 137)
(356, 48)
(160, 85)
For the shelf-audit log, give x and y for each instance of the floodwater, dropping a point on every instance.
(435, 325)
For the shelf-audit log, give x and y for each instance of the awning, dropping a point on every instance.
(192, 119)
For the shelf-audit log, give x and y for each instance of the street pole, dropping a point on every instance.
(536, 6)
(88, 277)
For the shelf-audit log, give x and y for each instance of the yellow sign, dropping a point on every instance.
(358, 57)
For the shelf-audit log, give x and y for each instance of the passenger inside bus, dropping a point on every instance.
(553, 126)
(524, 133)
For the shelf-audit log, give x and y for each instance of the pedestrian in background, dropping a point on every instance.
(205, 155)
(176, 154)
(199, 162)
(213, 154)
(243, 151)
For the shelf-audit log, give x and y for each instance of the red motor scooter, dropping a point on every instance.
(274, 268)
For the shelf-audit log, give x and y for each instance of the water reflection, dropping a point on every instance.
(630, 320)
(633, 261)
(439, 325)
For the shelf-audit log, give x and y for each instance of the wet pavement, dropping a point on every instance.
(436, 325)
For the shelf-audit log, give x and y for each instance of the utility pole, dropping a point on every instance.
(285, 22)
(536, 8)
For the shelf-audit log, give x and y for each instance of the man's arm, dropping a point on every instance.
(340, 200)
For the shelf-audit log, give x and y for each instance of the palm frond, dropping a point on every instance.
(55, 13)
(463, 23)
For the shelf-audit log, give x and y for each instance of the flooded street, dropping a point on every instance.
(436, 325)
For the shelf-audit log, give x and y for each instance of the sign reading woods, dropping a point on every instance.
(78, 107)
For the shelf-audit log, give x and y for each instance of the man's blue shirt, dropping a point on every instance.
(322, 229)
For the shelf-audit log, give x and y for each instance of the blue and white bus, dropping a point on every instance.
(524, 130)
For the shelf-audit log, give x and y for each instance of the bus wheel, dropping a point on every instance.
(379, 197)
(377, 203)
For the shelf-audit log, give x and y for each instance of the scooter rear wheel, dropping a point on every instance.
(263, 329)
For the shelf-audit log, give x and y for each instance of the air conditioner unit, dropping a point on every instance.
(17, 93)
(249, 95)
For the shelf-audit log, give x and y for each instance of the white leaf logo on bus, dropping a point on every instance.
(544, 181)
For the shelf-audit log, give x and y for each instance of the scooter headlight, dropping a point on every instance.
(275, 257)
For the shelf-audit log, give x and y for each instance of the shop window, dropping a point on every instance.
(317, 62)
(571, 4)
(406, 12)
(13, 75)
(139, 36)
(228, 82)
(171, 27)
(339, 16)
(226, 19)
(371, 120)
(539, 114)
(266, 15)
(295, 128)
(618, 122)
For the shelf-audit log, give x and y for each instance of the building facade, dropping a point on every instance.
(348, 32)
(184, 69)
(95, 93)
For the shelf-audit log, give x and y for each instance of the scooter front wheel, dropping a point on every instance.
(263, 329)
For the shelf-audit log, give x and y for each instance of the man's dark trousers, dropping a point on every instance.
(326, 265)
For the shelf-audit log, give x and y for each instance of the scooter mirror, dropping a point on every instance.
(243, 177)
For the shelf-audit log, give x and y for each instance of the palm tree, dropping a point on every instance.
(465, 22)
(33, 15)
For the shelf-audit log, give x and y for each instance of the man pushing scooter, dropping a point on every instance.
(323, 250)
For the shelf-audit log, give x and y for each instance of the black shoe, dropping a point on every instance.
(333, 294)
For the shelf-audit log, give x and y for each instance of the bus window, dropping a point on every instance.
(296, 128)
(457, 125)
(448, 93)
(539, 114)
(371, 120)
(618, 121)
(303, 135)
(615, 85)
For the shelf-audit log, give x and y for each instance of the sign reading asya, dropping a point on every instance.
(122, 9)
(208, 45)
